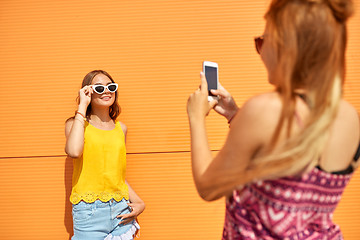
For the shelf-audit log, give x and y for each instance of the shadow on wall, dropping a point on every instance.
(68, 206)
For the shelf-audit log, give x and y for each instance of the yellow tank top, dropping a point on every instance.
(100, 172)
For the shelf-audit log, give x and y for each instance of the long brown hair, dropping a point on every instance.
(115, 109)
(309, 38)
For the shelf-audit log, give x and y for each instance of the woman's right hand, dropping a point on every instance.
(85, 95)
(226, 104)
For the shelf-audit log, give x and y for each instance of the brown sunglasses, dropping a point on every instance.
(258, 43)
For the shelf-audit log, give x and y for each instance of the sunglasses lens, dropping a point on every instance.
(99, 89)
(112, 87)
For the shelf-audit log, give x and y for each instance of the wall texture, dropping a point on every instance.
(154, 50)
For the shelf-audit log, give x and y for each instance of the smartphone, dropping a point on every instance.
(211, 71)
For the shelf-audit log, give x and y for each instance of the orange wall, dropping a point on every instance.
(154, 50)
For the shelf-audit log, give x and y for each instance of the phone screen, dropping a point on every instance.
(211, 78)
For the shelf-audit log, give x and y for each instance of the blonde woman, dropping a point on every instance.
(289, 153)
(104, 204)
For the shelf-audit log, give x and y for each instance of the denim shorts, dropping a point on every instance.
(98, 221)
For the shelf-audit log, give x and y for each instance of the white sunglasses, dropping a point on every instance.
(100, 89)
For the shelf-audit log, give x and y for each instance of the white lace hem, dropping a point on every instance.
(129, 235)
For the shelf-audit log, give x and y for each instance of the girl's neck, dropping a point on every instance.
(100, 115)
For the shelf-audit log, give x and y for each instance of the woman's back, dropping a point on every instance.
(343, 140)
(344, 133)
(297, 207)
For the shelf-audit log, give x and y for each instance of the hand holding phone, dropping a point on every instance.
(212, 77)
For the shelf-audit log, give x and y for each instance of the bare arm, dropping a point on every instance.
(136, 204)
(216, 177)
(74, 127)
(134, 198)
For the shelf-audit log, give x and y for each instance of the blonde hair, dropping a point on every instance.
(309, 38)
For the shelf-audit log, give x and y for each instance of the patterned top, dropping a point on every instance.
(99, 174)
(290, 208)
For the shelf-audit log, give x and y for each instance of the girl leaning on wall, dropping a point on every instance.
(104, 204)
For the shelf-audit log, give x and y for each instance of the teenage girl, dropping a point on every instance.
(104, 204)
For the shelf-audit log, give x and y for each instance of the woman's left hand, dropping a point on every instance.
(136, 209)
(198, 106)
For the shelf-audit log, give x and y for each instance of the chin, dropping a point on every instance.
(271, 81)
(101, 103)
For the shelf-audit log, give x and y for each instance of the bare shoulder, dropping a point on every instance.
(265, 107)
(349, 117)
(344, 138)
(349, 121)
(270, 99)
(258, 117)
(348, 111)
(123, 127)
